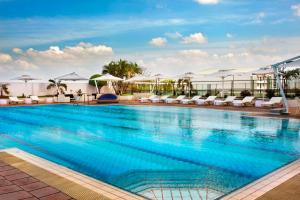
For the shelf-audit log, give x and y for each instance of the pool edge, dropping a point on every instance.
(263, 185)
(97, 186)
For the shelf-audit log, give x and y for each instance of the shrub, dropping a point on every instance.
(270, 93)
(245, 93)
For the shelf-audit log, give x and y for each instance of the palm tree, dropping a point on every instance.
(289, 75)
(4, 90)
(122, 69)
(58, 85)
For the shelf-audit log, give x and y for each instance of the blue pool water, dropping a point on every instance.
(139, 147)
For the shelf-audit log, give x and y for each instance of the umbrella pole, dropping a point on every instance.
(96, 87)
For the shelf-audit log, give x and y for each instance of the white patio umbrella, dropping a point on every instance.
(188, 76)
(140, 78)
(106, 77)
(224, 73)
(26, 79)
(161, 77)
(69, 77)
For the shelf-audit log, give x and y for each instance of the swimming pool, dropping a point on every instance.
(145, 148)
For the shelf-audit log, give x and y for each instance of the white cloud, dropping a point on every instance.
(296, 9)
(197, 38)
(5, 58)
(174, 35)
(159, 41)
(193, 53)
(25, 65)
(206, 2)
(258, 18)
(229, 35)
(17, 50)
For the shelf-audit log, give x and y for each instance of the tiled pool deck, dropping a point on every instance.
(46, 178)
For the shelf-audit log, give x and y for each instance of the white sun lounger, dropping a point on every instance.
(227, 101)
(247, 101)
(190, 101)
(175, 100)
(148, 99)
(15, 100)
(274, 102)
(160, 99)
(209, 101)
(35, 99)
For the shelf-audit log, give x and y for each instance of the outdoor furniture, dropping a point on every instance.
(247, 101)
(190, 101)
(35, 99)
(27, 101)
(274, 102)
(3, 101)
(15, 100)
(159, 99)
(175, 100)
(108, 98)
(146, 100)
(209, 101)
(229, 100)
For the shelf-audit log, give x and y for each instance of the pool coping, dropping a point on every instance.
(263, 185)
(102, 188)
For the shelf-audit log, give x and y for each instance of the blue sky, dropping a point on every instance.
(154, 33)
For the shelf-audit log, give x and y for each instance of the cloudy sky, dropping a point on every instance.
(47, 38)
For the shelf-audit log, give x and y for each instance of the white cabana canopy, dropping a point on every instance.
(107, 77)
(140, 78)
(70, 77)
(25, 78)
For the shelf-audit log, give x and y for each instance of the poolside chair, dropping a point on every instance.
(35, 99)
(148, 99)
(190, 101)
(274, 102)
(247, 101)
(108, 98)
(229, 100)
(175, 100)
(159, 99)
(15, 100)
(209, 101)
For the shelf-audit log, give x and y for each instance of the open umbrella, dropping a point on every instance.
(25, 78)
(106, 77)
(223, 73)
(188, 76)
(70, 77)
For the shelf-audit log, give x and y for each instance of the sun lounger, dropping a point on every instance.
(247, 101)
(229, 100)
(175, 100)
(190, 101)
(159, 99)
(15, 100)
(108, 98)
(148, 99)
(274, 102)
(35, 99)
(209, 101)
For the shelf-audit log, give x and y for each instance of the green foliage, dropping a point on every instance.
(245, 93)
(99, 83)
(291, 74)
(122, 69)
(62, 87)
(4, 90)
